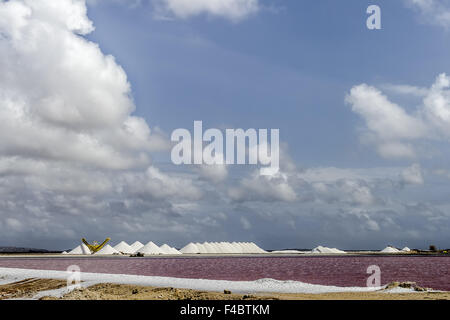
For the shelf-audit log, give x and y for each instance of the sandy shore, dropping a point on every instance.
(27, 289)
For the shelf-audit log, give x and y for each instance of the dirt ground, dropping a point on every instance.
(127, 292)
(28, 288)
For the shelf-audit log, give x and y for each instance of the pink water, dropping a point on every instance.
(432, 271)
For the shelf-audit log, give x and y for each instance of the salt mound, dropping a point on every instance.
(217, 247)
(201, 248)
(64, 252)
(81, 249)
(288, 251)
(245, 247)
(136, 246)
(226, 247)
(390, 249)
(85, 249)
(321, 249)
(107, 250)
(169, 250)
(250, 247)
(191, 248)
(209, 247)
(406, 249)
(174, 251)
(237, 248)
(222, 247)
(150, 248)
(256, 249)
(165, 248)
(124, 247)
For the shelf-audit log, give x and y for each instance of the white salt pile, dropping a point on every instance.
(85, 249)
(150, 249)
(216, 247)
(406, 249)
(246, 247)
(168, 249)
(288, 251)
(321, 249)
(248, 287)
(174, 251)
(256, 249)
(136, 246)
(222, 247)
(107, 250)
(64, 252)
(190, 248)
(201, 248)
(390, 249)
(124, 247)
(81, 249)
(249, 247)
(226, 247)
(209, 247)
(237, 247)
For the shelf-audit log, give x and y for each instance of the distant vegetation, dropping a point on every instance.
(22, 250)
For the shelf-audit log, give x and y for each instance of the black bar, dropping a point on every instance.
(261, 309)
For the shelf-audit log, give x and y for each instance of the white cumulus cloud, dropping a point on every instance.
(388, 125)
(61, 98)
(234, 10)
(395, 132)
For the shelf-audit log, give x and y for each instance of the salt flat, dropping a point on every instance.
(258, 286)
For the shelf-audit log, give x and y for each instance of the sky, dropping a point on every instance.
(91, 92)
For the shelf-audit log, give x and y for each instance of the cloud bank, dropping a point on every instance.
(393, 131)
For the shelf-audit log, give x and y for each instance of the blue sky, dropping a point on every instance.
(287, 67)
(363, 118)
